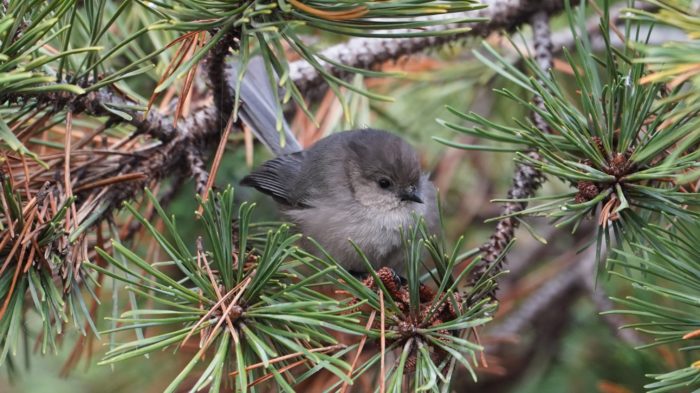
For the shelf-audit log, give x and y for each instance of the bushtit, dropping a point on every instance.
(361, 185)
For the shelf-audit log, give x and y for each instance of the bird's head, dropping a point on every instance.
(384, 170)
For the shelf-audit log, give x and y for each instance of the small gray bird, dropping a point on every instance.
(360, 185)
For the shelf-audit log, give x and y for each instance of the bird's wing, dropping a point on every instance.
(278, 178)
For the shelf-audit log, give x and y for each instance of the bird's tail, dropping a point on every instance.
(258, 108)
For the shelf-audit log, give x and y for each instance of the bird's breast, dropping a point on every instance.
(375, 231)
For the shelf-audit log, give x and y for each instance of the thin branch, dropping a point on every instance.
(103, 102)
(187, 142)
(526, 179)
(564, 38)
(197, 170)
(219, 80)
(368, 53)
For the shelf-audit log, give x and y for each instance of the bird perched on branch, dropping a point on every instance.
(360, 185)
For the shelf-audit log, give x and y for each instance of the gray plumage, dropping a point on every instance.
(362, 185)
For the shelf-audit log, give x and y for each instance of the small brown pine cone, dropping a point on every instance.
(403, 306)
(236, 312)
(453, 313)
(403, 296)
(369, 282)
(438, 322)
(586, 191)
(618, 165)
(598, 143)
(427, 294)
(411, 363)
(426, 310)
(390, 279)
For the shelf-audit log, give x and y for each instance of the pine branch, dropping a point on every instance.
(368, 53)
(102, 179)
(188, 141)
(527, 179)
(625, 164)
(98, 103)
(564, 38)
(220, 80)
(102, 102)
(197, 169)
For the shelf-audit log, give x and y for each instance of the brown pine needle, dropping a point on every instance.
(248, 143)
(680, 79)
(382, 341)
(14, 249)
(186, 92)
(240, 288)
(206, 316)
(17, 269)
(350, 14)
(611, 387)
(30, 259)
(11, 291)
(483, 354)
(224, 318)
(217, 162)
(112, 180)
(360, 347)
(66, 164)
(167, 98)
(612, 25)
(180, 56)
(695, 334)
(225, 311)
(29, 206)
(27, 176)
(243, 285)
(290, 356)
(607, 212)
(5, 240)
(10, 222)
(282, 370)
(31, 129)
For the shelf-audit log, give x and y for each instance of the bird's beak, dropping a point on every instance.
(410, 194)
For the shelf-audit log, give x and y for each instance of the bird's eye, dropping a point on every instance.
(384, 182)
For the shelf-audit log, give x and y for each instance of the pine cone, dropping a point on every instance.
(586, 191)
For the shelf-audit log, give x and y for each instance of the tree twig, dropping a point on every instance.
(526, 179)
(368, 53)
